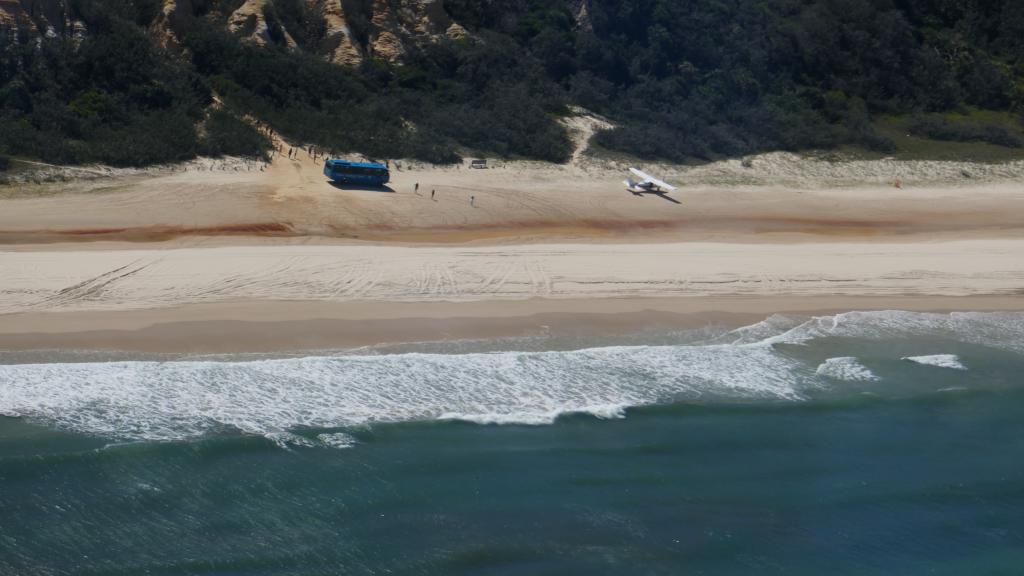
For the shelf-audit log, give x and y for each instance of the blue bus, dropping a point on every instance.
(365, 173)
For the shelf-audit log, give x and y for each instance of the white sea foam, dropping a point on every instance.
(608, 412)
(337, 440)
(845, 368)
(940, 360)
(770, 328)
(188, 399)
(287, 440)
(1002, 330)
(177, 400)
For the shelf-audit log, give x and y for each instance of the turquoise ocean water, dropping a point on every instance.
(861, 444)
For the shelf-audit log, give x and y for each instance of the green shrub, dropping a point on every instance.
(166, 136)
(226, 134)
(963, 131)
(681, 80)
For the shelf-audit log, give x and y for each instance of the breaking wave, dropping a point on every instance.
(845, 368)
(941, 360)
(172, 400)
(1001, 330)
(188, 399)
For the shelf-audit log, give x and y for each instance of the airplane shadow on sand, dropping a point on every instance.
(661, 195)
(362, 187)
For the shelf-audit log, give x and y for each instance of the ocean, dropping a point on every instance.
(864, 443)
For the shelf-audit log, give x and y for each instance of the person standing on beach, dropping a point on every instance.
(432, 193)
(472, 199)
(416, 189)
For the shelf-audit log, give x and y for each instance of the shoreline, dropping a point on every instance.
(295, 326)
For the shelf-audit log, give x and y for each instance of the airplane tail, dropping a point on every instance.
(629, 183)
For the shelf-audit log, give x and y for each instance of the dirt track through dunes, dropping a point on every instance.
(59, 279)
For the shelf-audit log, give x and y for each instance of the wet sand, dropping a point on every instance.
(278, 326)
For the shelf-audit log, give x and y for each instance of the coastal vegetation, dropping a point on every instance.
(939, 128)
(681, 80)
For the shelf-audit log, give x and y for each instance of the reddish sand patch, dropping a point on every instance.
(147, 233)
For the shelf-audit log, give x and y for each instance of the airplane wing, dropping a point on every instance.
(640, 174)
(651, 179)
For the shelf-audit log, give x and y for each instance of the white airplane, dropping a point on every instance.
(649, 184)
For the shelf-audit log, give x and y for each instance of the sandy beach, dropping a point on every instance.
(778, 198)
(239, 256)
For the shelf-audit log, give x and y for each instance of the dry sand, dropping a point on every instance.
(230, 257)
(231, 298)
(66, 278)
(779, 198)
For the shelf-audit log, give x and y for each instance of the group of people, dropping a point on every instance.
(313, 152)
(265, 129)
(316, 154)
(433, 193)
(416, 191)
